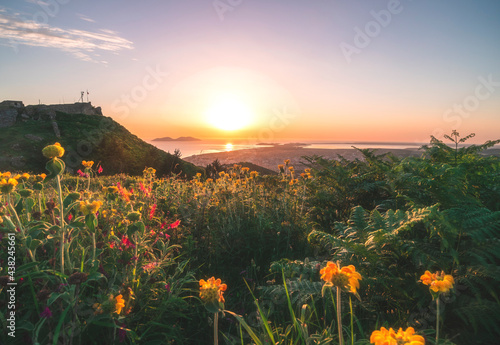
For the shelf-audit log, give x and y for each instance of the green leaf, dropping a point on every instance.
(242, 322)
(59, 324)
(91, 222)
(29, 204)
(35, 243)
(55, 167)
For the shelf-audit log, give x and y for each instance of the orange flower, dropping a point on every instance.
(438, 282)
(88, 164)
(347, 277)
(120, 304)
(390, 337)
(212, 290)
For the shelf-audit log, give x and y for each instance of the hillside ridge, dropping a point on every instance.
(84, 136)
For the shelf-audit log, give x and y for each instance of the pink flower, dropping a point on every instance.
(150, 266)
(82, 174)
(167, 287)
(100, 169)
(46, 313)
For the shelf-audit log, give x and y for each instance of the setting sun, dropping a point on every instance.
(229, 113)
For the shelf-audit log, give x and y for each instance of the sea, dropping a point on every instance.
(190, 148)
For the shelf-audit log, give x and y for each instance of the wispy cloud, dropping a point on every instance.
(84, 17)
(84, 45)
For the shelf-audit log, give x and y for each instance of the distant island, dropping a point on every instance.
(178, 139)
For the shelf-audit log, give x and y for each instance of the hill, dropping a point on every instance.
(177, 139)
(85, 137)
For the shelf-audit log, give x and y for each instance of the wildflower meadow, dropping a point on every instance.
(378, 251)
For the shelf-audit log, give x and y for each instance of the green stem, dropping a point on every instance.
(20, 225)
(216, 328)
(437, 320)
(339, 317)
(352, 321)
(61, 220)
(136, 259)
(13, 211)
(93, 248)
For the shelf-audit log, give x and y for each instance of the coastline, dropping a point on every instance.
(271, 157)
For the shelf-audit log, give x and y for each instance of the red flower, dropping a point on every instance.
(126, 243)
(99, 170)
(174, 224)
(152, 212)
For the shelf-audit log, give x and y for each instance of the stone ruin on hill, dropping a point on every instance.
(13, 111)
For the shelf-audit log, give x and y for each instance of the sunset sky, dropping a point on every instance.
(328, 70)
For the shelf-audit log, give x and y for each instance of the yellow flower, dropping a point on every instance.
(5, 174)
(25, 176)
(438, 282)
(149, 171)
(390, 337)
(287, 161)
(245, 169)
(53, 151)
(88, 164)
(88, 208)
(120, 304)
(212, 290)
(254, 174)
(7, 186)
(347, 277)
(112, 189)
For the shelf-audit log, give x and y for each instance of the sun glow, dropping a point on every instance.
(229, 113)
(229, 147)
